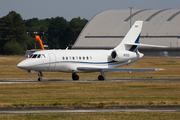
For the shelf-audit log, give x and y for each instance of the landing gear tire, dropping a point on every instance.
(101, 78)
(40, 75)
(75, 77)
(39, 79)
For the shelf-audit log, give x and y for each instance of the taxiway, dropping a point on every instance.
(10, 81)
(40, 110)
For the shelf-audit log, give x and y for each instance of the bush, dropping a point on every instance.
(12, 47)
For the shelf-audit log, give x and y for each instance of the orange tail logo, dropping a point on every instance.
(38, 38)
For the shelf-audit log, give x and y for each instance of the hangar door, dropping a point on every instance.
(52, 60)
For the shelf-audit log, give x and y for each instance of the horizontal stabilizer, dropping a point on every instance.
(145, 45)
(116, 69)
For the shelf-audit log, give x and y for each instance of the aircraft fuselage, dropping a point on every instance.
(69, 60)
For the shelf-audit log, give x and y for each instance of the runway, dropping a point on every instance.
(40, 110)
(10, 81)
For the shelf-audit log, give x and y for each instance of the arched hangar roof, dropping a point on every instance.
(107, 29)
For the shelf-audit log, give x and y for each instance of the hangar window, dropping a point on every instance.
(153, 15)
(127, 19)
(173, 16)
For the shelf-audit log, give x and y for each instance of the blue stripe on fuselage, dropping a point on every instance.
(95, 63)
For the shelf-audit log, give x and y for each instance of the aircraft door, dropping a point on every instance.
(52, 60)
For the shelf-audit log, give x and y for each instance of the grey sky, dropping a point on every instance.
(77, 8)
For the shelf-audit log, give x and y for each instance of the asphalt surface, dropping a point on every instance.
(9, 81)
(71, 109)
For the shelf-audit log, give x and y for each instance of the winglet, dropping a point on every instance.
(38, 39)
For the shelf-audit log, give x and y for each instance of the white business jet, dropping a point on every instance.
(84, 61)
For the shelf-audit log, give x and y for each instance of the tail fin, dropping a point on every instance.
(38, 38)
(131, 38)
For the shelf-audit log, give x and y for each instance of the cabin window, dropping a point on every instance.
(87, 58)
(43, 56)
(73, 58)
(63, 58)
(83, 58)
(79, 58)
(66, 58)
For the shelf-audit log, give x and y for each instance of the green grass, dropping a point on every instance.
(96, 116)
(94, 94)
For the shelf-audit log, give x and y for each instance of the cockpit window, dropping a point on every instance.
(39, 56)
(30, 55)
(34, 56)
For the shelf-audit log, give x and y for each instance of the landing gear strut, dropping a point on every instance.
(75, 76)
(102, 76)
(40, 75)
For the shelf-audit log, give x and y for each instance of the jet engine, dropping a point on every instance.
(122, 55)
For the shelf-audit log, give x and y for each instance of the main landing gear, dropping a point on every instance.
(40, 75)
(102, 76)
(75, 76)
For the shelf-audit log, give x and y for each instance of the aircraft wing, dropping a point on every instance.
(115, 69)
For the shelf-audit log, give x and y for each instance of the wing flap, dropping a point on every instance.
(90, 69)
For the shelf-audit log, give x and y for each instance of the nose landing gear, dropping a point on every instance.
(40, 75)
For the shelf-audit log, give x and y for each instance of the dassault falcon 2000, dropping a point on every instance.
(84, 61)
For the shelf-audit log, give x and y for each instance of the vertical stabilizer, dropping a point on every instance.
(131, 37)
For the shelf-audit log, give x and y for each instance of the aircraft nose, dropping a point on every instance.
(21, 65)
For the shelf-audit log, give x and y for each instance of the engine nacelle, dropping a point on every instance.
(122, 55)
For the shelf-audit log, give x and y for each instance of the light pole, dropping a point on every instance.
(35, 39)
(35, 33)
(41, 37)
(130, 8)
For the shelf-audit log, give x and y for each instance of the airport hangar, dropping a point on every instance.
(108, 28)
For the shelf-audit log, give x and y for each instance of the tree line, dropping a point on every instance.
(18, 35)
